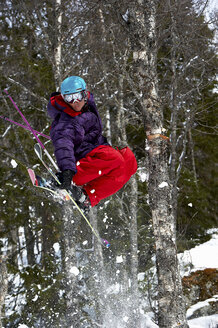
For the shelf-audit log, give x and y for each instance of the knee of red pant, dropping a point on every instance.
(130, 161)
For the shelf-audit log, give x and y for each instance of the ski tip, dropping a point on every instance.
(38, 150)
(32, 176)
(105, 243)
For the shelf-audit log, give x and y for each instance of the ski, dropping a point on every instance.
(42, 183)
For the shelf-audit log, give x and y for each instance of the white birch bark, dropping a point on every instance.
(3, 285)
(108, 115)
(57, 50)
(121, 124)
(134, 251)
(171, 312)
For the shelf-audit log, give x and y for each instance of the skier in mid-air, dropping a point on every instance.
(83, 154)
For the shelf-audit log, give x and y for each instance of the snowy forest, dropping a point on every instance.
(152, 67)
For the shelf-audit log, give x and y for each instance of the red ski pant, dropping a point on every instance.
(104, 171)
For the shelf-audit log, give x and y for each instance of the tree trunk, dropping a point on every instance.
(120, 121)
(134, 253)
(133, 200)
(29, 236)
(3, 284)
(174, 111)
(171, 312)
(72, 315)
(108, 115)
(47, 238)
(57, 50)
(101, 283)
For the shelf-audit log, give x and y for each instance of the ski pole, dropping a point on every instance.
(31, 129)
(24, 126)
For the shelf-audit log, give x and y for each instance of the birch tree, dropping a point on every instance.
(3, 285)
(58, 47)
(171, 312)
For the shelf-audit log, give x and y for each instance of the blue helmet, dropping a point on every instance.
(72, 84)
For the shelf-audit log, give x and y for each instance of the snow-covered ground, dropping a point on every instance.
(204, 322)
(199, 258)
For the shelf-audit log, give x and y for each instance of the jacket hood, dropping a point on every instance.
(57, 104)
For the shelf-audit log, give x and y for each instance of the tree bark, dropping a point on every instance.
(121, 123)
(134, 252)
(72, 315)
(174, 111)
(171, 312)
(29, 244)
(3, 284)
(108, 115)
(58, 49)
(101, 283)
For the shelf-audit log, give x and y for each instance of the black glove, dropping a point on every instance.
(65, 178)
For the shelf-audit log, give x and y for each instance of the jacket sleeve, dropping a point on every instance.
(63, 138)
(92, 130)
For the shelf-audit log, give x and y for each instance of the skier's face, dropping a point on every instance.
(78, 105)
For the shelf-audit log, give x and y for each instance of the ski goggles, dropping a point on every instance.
(74, 97)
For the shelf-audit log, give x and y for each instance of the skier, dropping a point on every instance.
(83, 154)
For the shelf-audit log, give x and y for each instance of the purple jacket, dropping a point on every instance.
(74, 134)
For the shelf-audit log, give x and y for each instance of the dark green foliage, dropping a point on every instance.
(194, 221)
